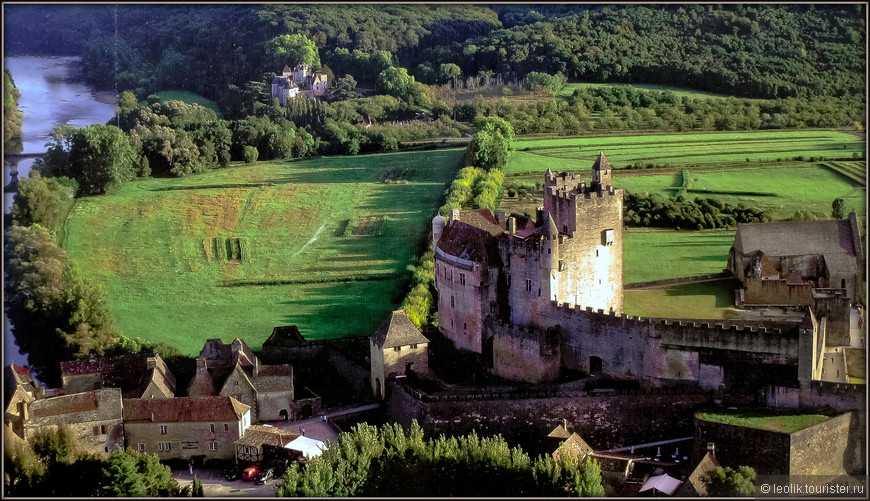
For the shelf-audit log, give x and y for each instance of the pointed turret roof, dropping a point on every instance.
(398, 330)
(601, 162)
(287, 69)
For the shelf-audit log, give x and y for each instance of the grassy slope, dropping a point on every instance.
(701, 300)
(765, 420)
(655, 254)
(150, 247)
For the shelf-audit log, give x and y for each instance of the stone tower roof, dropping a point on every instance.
(694, 485)
(601, 162)
(398, 330)
(575, 448)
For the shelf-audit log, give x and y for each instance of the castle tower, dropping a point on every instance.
(602, 173)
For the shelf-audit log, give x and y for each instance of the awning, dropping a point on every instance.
(309, 447)
(663, 483)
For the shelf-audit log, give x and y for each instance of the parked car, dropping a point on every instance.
(264, 476)
(250, 472)
(232, 473)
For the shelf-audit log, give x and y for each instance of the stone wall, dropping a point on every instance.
(776, 292)
(604, 421)
(765, 451)
(463, 294)
(838, 396)
(186, 439)
(353, 374)
(94, 417)
(523, 354)
(826, 450)
(270, 405)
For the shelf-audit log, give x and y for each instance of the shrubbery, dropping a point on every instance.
(679, 213)
(392, 461)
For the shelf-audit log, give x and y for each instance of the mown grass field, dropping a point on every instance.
(569, 89)
(536, 155)
(765, 420)
(188, 97)
(322, 244)
(712, 299)
(656, 254)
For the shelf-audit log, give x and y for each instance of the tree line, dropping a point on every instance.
(393, 461)
(11, 115)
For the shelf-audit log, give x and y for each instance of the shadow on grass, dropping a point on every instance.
(722, 290)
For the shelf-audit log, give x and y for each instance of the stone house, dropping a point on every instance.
(304, 77)
(19, 390)
(264, 444)
(138, 376)
(96, 417)
(194, 429)
(397, 347)
(791, 263)
(233, 370)
(694, 485)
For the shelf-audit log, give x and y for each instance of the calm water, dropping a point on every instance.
(52, 94)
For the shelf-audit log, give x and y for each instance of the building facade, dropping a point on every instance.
(397, 347)
(194, 429)
(95, 417)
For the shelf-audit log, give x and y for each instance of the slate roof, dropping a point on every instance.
(398, 330)
(560, 432)
(16, 377)
(97, 405)
(274, 378)
(575, 448)
(796, 238)
(694, 486)
(184, 410)
(601, 162)
(258, 436)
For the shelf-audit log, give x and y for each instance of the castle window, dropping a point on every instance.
(607, 237)
(212, 446)
(163, 429)
(492, 307)
(462, 279)
(562, 265)
(413, 346)
(211, 427)
(528, 285)
(102, 429)
(451, 322)
(465, 326)
(452, 302)
(226, 427)
(596, 252)
(539, 292)
(564, 228)
(397, 349)
(141, 447)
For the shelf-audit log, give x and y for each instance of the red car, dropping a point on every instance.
(250, 472)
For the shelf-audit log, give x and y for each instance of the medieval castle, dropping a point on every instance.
(537, 297)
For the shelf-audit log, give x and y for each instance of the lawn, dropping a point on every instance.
(680, 92)
(188, 97)
(536, 155)
(712, 299)
(764, 420)
(238, 251)
(656, 254)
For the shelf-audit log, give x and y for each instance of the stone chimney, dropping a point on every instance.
(454, 214)
(256, 366)
(151, 362)
(499, 216)
(512, 225)
(22, 411)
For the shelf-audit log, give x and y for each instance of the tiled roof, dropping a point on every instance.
(184, 409)
(202, 384)
(398, 330)
(273, 383)
(258, 435)
(103, 365)
(483, 219)
(80, 407)
(465, 241)
(559, 432)
(16, 377)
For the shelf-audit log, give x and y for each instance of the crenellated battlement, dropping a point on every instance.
(755, 326)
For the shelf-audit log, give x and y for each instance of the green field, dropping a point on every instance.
(322, 244)
(780, 192)
(536, 155)
(712, 299)
(656, 254)
(569, 89)
(764, 419)
(188, 97)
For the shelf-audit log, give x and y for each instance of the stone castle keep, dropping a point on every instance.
(537, 297)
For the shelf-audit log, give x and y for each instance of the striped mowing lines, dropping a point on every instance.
(854, 171)
(696, 148)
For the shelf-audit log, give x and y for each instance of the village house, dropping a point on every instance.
(19, 390)
(138, 376)
(232, 370)
(288, 84)
(194, 429)
(309, 80)
(283, 86)
(397, 347)
(264, 444)
(95, 417)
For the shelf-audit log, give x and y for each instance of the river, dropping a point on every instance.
(52, 94)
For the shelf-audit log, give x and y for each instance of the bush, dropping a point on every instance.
(251, 154)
